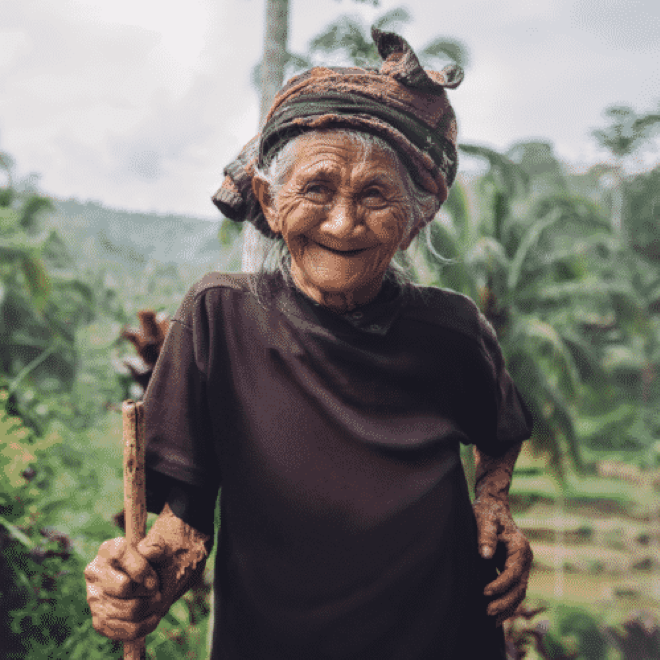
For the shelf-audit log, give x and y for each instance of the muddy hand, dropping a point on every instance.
(496, 528)
(123, 591)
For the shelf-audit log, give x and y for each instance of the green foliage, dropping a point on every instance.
(348, 39)
(564, 294)
(537, 159)
(19, 451)
(42, 303)
(62, 312)
(42, 581)
(584, 629)
(49, 535)
(627, 131)
(642, 216)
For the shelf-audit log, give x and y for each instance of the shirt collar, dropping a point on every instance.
(376, 317)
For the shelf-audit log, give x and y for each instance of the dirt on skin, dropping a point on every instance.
(129, 589)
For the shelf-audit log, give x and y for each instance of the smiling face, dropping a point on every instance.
(343, 212)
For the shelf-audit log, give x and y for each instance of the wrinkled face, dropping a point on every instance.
(343, 212)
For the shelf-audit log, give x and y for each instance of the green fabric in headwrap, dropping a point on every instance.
(283, 126)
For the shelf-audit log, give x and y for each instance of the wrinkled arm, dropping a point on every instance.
(179, 551)
(129, 590)
(495, 527)
(493, 473)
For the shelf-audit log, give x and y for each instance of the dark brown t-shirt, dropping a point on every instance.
(347, 531)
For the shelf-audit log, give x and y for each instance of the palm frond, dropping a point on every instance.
(507, 173)
(489, 255)
(7, 164)
(554, 430)
(624, 359)
(458, 207)
(527, 244)
(543, 342)
(442, 48)
(593, 288)
(393, 19)
(585, 358)
(644, 123)
(572, 209)
(347, 35)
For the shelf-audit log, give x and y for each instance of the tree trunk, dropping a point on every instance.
(617, 201)
(272, 75)
(275, 48)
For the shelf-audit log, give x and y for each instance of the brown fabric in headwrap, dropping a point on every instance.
(402, 103)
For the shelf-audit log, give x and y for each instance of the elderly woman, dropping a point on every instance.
(327, 397)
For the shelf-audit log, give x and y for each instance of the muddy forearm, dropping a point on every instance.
(493, 474)
(187, 551)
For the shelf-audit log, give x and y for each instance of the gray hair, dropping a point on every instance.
(272, 254)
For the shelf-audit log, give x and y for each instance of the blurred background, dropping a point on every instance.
(116, 121)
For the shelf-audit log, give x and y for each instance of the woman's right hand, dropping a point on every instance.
(123, 589)
(129, 590)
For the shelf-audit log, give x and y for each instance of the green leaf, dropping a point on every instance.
(533, 332)
(32, 207)
(458, 207)
(509, 175)
(37, 279)
(443, 48)
(527, 244)
(16, 533)
(393, 19)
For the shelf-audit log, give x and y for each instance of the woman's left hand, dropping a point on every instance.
(498, 532)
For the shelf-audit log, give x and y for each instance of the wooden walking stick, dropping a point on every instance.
(135, 499)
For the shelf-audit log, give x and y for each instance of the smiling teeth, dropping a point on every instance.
(343, 251)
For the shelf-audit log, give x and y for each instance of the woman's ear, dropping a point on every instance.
(262, 192)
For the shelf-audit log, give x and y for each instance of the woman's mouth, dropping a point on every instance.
(345, 253)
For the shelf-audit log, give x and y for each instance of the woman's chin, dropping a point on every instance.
(334, 280)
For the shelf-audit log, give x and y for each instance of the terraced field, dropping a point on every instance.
(596, 544)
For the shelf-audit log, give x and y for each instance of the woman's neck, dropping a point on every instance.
(339, 302)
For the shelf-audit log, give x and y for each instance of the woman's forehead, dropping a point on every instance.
(331, 152)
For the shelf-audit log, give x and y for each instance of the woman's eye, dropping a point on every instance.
(317, 189)
(373, 196)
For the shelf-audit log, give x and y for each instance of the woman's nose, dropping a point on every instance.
(342, 218)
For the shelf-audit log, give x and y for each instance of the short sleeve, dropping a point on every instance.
(195, 506)
(178, 427)
(514, 420)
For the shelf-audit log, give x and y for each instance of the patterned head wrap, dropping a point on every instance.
(401, 103)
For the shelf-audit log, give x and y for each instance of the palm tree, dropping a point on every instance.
(627, 133)
(545, 270)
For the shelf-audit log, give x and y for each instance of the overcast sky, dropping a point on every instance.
(139, 104)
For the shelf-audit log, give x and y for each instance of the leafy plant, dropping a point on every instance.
(638, 637)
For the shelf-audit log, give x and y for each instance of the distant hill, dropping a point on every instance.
(98, 233)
